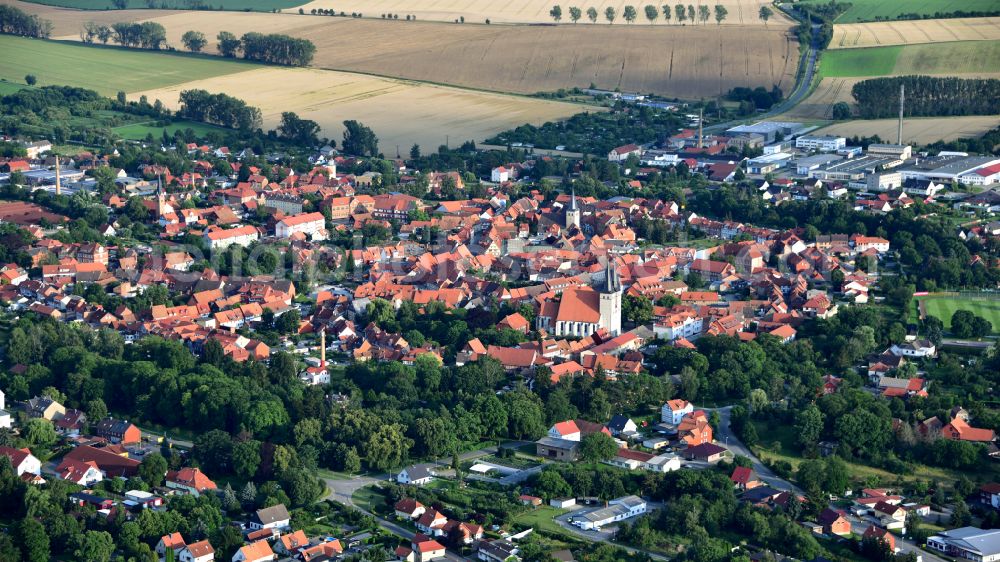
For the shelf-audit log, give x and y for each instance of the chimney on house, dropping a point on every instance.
(58, 178)
(322, 348)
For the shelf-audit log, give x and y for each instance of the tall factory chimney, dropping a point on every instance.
(58, 178)
(322, 348)
(899, 134)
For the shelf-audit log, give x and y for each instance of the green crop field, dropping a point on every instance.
(875, 61)
(943, 307)
(138, 131)
(933, 58)
(232, 5)
(107, 70)
(874, 10)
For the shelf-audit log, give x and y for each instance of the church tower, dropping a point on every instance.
(161, 198)
(572, 213)
(611, 301)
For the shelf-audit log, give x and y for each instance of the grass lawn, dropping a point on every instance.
(870, 10)
(7, 88)
(138, 131)
(944, 306)
(369, 498)
(900, 60)
(235, 5)
(541, 517)
(107, 70)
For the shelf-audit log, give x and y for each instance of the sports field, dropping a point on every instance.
(235, 5)
(944, 306)
(874, 34)
(874, 10)
(957, 57)
(105, 69)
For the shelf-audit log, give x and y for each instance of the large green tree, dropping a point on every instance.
(359, 140)
(598, 447)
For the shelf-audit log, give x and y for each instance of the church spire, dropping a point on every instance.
(572, 212)
(612, 281)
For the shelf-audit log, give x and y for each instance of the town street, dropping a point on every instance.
(726, 437)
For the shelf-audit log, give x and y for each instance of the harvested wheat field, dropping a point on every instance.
(740, 12)
(917, 130)
(67, 22)
(401, 112)
(686, 62)
(676, 61)
(910, 32)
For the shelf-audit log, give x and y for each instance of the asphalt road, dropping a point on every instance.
(797, 94)
(342, 491)
(726, 436)
(858, 525)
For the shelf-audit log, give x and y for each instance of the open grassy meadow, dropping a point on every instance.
(958, 57)
(874, 34)
(874, 10)
(138, 131)
(105, 69)
(7, 88)
(943, 306)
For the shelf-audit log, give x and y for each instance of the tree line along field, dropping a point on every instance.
(107, 70)
(959, 57)
(847, 36)
(875, 10)
(741, 12)
(987, 306)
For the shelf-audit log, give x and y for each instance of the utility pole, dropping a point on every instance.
(701, 118)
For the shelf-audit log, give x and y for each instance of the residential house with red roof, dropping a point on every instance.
(259, 551)
(22, 460)
(694, 429)
(190, 480)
